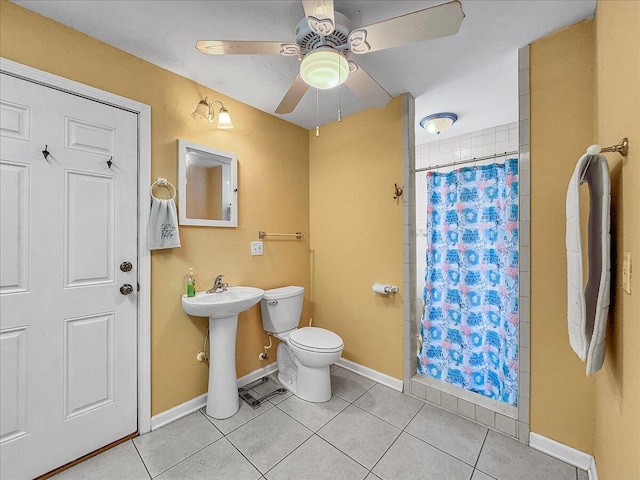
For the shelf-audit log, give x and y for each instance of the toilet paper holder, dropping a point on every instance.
(384, 288)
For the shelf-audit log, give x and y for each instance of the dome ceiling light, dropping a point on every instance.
(438, 122)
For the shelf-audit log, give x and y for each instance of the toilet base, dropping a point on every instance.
(312, 384)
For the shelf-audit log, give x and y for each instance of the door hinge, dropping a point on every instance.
(138, 287)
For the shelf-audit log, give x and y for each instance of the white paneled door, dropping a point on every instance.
(68, 321)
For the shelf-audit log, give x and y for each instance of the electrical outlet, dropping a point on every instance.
(626, 272)
(256, 248)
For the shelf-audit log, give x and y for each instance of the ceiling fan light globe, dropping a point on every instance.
(324, 68)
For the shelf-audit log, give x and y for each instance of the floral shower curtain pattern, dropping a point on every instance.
(470, 322)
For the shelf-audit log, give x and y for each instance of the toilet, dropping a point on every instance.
(304, 354)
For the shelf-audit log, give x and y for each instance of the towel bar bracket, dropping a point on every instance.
(622, 148)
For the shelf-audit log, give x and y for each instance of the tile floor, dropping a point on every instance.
(366, 431)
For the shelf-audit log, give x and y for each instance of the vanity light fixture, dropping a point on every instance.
(204, 113)
(324, 68)
(438, 122)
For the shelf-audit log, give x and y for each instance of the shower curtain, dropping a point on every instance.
(470, 321)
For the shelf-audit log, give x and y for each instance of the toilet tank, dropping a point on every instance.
(281, 308)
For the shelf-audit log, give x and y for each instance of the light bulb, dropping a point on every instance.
(324, 68)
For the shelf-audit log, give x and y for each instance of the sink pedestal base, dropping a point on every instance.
(222, 397)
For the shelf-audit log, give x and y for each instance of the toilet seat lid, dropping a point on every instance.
(316, 339)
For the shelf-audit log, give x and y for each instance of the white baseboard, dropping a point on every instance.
(190, 406)
(179, 411)
(257, 374)
(565, 453)
(371, 374)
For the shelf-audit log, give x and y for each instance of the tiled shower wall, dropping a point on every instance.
(504, 138)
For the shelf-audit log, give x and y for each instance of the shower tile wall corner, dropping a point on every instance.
(410, 327)
(503, 138)
(524, 227)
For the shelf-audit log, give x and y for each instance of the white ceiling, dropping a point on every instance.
(473, 73)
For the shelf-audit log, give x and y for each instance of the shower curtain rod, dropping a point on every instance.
(462, 162)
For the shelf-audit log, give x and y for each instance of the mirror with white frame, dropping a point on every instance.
(208, 190)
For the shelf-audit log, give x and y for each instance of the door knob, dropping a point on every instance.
(126, 266)
(126, 289)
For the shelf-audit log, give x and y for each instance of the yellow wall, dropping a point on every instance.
(584, 89)
(617, 412)
(338, 188)
(356, 234)
(273, 192)
(562, 125)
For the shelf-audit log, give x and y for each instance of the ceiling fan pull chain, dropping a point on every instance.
(317, 106)
(339, 95)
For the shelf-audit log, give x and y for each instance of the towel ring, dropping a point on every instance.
(162, 182)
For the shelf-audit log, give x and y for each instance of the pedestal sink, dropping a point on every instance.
(222, 308)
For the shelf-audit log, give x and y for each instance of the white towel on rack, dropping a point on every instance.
(163, 224)
(587, 309)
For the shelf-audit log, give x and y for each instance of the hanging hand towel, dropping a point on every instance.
(163, 224)
(587, 309)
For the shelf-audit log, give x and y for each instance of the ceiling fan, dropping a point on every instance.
(325, 42)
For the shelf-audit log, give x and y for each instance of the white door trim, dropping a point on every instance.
(144, 180)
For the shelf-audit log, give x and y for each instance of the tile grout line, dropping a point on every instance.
(475, 466)
(385, 452)
(344, 453)
(245, 457)
(241, 425)
(401, 428)
(439, 449)
(382, 419)
(141, 459)
(370, 470)
(321, 426)
(486, 435)
(352, 403)
(433, 446)
(189, 456)
(262, 475)
(375, 416)
(416, 414)
(315, 433)
(290, 453)
(197, 451)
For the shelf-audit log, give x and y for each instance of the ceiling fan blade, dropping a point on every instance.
(320, 16)
(366, 87)
(293, 96)
(434, 22)
(222, 47)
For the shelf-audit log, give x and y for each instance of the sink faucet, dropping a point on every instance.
(218, 286)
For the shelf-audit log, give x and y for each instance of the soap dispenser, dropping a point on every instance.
(191, 284)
